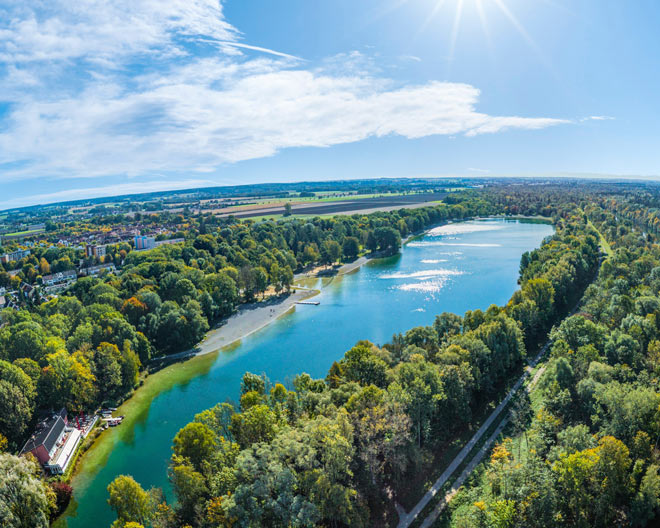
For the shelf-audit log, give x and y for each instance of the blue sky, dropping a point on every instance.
(100, 98)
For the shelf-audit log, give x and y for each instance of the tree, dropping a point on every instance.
(647, 501)
(189, 486)
(351, 247)
(361, 364)
(541, 292)
(260, 279)
(388, 239)
(330, 251)
(23, 496)
(287, 209)
(223, 292)
(129, 501)
(63, 493)
(195, 442)
(15, 411)
(107, 369)
(256, 424)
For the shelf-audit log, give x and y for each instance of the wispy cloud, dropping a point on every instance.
(142, 87)
(598, 118)
(107, 190)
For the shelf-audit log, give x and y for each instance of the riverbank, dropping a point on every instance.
(371, 305)
(250, 318)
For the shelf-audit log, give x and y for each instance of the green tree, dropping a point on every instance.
(130, 502)
(23, 496)
(351, 247)
(388, 239)
(330, 251)
(195, 442)
(256, 424)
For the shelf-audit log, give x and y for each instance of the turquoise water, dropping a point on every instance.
(454, 268)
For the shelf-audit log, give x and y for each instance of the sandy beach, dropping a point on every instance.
(249, 319)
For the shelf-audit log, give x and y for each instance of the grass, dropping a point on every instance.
(23, 233)
(604, 244)
(135, 409)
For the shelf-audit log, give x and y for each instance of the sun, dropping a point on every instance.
(456, 9)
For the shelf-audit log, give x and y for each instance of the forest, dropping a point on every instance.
(92, 345)
(580, 450)
(333, 452)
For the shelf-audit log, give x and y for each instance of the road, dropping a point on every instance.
(405, 519)
(483, 451)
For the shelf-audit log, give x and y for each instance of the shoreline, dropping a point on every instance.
(248, 319)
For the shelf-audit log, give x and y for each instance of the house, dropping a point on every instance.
(29, 291)
(54, 443)
(7, 301)
(59, 278)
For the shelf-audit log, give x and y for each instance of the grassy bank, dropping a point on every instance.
(136, 410)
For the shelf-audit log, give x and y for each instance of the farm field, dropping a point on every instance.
(333, 207)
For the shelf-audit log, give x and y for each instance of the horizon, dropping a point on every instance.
(594, 178)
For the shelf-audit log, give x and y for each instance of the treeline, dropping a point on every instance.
(334, 452)
(88, 346)
(587, 455)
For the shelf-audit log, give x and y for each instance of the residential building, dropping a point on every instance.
(95, 270)
(14, 256)
(144, 242)
(95, 251)
(54, 443)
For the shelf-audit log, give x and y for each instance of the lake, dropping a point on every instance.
(453, 268)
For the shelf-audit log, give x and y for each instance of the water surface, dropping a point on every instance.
(453, 268)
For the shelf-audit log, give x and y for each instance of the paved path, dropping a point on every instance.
(405, 519)
(483, 451)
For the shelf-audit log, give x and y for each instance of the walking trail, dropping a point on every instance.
(406, 519)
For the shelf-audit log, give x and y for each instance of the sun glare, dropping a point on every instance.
(455, 10)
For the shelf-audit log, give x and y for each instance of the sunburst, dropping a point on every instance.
(454, 9)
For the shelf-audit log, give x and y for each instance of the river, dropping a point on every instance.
(457, 267)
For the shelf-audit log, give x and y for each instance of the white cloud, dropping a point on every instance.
(598, 118)
(56, 30)
(102, 88)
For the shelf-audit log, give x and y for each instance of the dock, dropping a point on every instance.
(312, 303)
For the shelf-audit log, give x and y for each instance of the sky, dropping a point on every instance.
(102, 98)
